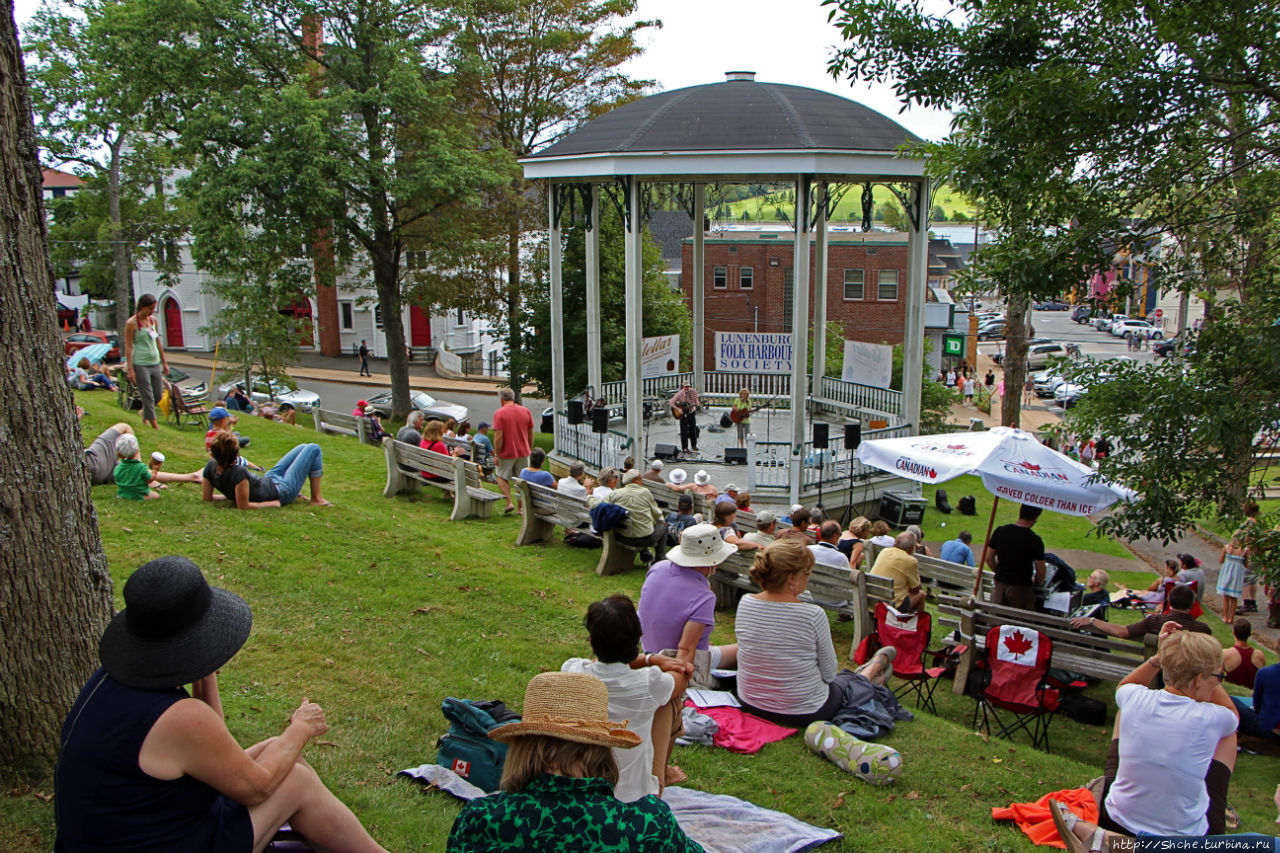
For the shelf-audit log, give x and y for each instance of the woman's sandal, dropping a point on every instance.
(1065, 820)
(673, 775)
(871, 762)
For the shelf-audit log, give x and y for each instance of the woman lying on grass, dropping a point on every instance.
(1172, 753)
(280, 486)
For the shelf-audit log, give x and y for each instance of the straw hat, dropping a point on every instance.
(174, 629)
(677, 476)
(701, 545)
(702, 478)
(570, 706)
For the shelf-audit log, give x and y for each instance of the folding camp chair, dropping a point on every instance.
(1014, 683)
(1169, 583)
(183, 409)
(909, 634)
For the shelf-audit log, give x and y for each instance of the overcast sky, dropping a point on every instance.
(783, 41)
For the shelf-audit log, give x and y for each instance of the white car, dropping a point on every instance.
(1103, 321)
(261, 391)
(1068, 394)
(1142, 327)
(1116, 320)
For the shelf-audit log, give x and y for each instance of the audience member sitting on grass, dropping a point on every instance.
(411, 432)
(78, 376)
(1154, 595)
(221, 420)
(725, 515)
(238, 401)
(558, 781)
(534, 473)
(1181, 600)
(900, 565)
(787, 667)
(99, 376)
(280, 486)
(645, 690)
(1172, 752)
(1242, 661)
(132, 476)
(100, 458)
(677, 607)
(146, 766)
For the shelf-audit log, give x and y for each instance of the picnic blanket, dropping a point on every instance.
(742, 732)
(1037, 824)
(721, 824)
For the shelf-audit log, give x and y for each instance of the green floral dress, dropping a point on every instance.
(557, 814)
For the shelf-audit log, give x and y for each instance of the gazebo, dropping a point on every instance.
(737, 131)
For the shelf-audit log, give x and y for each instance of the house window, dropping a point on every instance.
(720, 278)
(746, 278)
(855, 284)
(887, 286)
(459, 318)
(348, 316)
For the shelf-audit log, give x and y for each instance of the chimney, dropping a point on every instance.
(745, 76)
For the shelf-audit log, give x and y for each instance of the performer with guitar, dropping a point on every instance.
(684, 407)
(740, 414)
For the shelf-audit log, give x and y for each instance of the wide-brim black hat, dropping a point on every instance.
(174, 629)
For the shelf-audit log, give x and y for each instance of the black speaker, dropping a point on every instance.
(899, 510)
(735, 456)
(600, 419)
(968, 505)
(665, 451)
(575, 412)
(852, 435)
(940, 501)
(820, 436)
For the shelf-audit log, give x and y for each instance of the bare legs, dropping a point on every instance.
(1228, 609)
(316, 499)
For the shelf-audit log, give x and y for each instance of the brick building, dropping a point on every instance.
(748, 282)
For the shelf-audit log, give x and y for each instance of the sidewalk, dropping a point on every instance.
(1040, 413)
(313, 366)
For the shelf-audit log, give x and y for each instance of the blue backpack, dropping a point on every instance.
(466, 748)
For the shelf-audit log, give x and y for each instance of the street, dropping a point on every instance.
(342, 397)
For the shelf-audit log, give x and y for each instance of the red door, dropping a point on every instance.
(419, 327)
(172, 324)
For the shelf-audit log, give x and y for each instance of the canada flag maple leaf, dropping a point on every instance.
(933, 474)
(1030, 466)
(1017, 643)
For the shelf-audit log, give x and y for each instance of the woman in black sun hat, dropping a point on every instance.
(145, 766)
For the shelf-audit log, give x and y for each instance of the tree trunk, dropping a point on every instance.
(386, 279)
(55, 590)
(121, 263)
(1015, 359)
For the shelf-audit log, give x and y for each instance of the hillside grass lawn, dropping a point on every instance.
(848, 211)
(378, 608)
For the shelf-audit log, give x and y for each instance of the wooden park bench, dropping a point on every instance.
(667, 498)
(409, 467)
(545, 509)
(340, 423)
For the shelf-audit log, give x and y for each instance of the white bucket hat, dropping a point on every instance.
(677, 476)
(702, 478)
(701, 545)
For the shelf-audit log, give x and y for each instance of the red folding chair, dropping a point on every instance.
(1017, 664)
(910, 635)
(1169, 583)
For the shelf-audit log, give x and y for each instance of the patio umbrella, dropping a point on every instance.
(1011, 463)
(93, 352)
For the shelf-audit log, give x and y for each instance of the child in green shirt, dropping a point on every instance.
(133, 477)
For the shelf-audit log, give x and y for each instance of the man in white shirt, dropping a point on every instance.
(572, 484)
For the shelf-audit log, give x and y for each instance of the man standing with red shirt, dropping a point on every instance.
(512, 441)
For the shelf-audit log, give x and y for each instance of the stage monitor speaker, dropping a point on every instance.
(600, 420)
(665, 451)
(899, 510)
(852, 435)
(821, 433)
(735, 456)
(575, 412)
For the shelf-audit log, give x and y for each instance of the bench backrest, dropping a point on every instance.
(552, 503)
(668, 497)
(425, 461)
(942, 576)
(340, 420)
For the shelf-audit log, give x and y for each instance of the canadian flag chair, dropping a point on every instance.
(1169, 583)
(910, 634)
(1015, 695)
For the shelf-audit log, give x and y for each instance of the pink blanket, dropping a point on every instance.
(740, 731)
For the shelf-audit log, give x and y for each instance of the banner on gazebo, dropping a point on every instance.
(660, 356)
(755, 352)
(868, 364)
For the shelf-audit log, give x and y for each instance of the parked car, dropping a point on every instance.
(262, 391)
(991, 331)
(1171, 346)
(67, 317)
(1046, 382)
(1142, 327)
(998, 356)
(1068, 394)
(79, 340)
(1082, 313)
(435, 410)
(1051, 305)
(1038, 355)
(1102, 321)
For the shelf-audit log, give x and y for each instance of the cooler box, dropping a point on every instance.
(899, 510)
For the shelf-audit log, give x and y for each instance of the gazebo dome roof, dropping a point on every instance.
(736, 115)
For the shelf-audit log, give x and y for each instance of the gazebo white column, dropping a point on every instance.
(820, 292)
(635, 325)
(799, 335)
(917, 279)
(699, 260)
(557, 309)
(594, 373)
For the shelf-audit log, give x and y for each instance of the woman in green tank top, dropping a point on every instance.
(144, 357)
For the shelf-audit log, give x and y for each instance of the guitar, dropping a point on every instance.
(740, 415)
(679, 410)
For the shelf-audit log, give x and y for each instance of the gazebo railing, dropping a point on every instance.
(829, 468)
(864, 397)
(849, 398)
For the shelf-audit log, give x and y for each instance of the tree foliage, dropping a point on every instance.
(1080, 137)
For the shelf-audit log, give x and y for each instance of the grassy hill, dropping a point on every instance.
(849, 209)
(378, 608)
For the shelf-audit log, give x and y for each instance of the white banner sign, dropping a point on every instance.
(660, 356)
(868, 364)
(757, 352)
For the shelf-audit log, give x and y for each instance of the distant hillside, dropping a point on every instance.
(781, 203)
